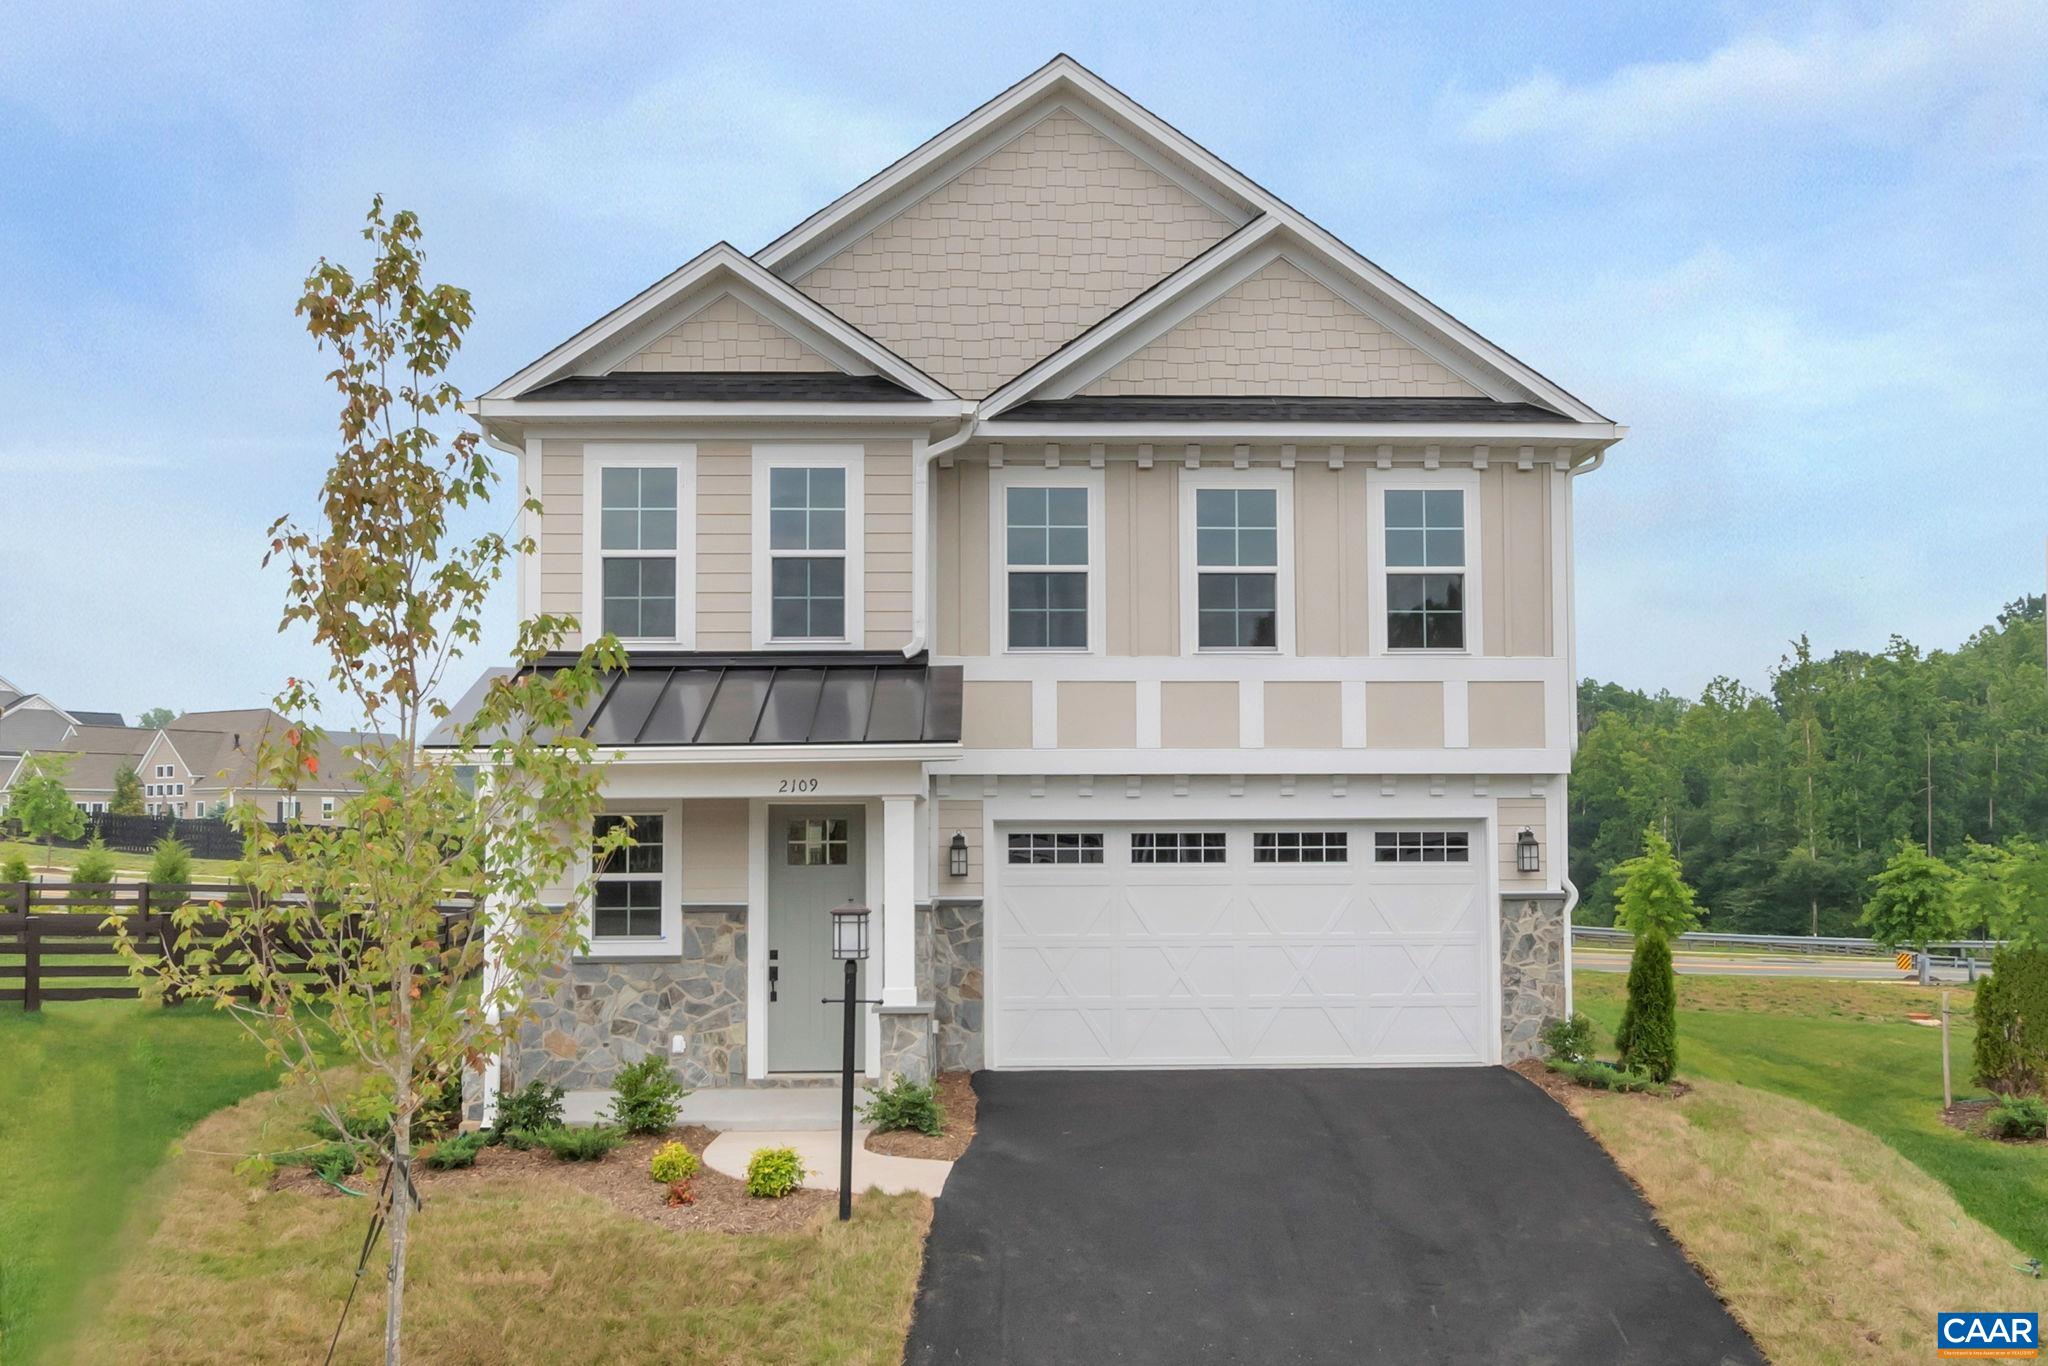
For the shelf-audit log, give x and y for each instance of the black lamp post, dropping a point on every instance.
(850, 946)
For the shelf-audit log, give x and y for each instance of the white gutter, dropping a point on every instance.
(1571, 903)
(1563, 855)
(921, 528)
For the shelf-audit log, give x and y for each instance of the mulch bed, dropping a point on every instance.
(1969, 1116)
(1559, 1086)
(722, 1204)
(956, 1097)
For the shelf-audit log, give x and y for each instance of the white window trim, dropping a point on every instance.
(599, 456)
(852, 459)
(670, 942)
(1001, 481)
(1282, 484)
(1377, 483)
(288, 808)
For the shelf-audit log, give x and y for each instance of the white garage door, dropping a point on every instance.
(1239, 946)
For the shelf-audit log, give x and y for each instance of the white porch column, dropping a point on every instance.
(899, 901)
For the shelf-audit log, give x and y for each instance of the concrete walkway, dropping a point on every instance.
(819, 1150)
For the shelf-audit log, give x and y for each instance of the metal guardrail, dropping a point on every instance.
(1958, 949)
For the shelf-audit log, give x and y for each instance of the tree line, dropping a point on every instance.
(1784, 803)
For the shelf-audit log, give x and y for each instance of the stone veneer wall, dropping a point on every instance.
(594, 1017)
(1532, 983)
(956, 988)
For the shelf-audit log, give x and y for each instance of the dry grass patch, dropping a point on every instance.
(512, 1267)
(1828, 1245)
(1810, 997)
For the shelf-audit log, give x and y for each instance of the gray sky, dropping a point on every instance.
(1802, 257)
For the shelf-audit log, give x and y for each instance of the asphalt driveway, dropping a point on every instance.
(1297, 1216)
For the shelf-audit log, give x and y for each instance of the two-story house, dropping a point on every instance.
(1156, 611)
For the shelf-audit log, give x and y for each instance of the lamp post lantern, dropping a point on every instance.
(850, 946)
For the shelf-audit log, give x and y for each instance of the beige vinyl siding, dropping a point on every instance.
(1404, 715)
(1198, 715)
(961, 818)
(995, 715)
(1281, 332)
(561, 530)
(726, 335)
(1321, 585)
(1516, 814)
(885, 510)
(1141, 529)
(1097, 715)
(725, 567)
(1013, 258)
(1515, 560)
(715, 843)
(1304, 716)
(1504, 715)
(961, 580)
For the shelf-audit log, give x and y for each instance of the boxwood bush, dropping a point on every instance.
(905, 1104)
(648, 1096)
(2012, 1023)
(774, 1172)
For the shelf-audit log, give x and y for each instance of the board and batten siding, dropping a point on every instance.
(958, 816)
(885, 510)
(1516, 814)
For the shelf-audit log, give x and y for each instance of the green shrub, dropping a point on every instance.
(94, 865)
(648, 1096)
(774, 1172)
(2012, 1023)
(576, 1145)
(459, 1151)
(170, 862)
(535, 1107)
(1604, 1076)
(2019, 1117)
(905, 1104)
(365, 1115)
(333, 1160)
(14, 868)
(672, 1162)
(1648, 1037)
(1568, 1040)
(440, 1109)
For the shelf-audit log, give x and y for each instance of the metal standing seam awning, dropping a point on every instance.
(684, 700)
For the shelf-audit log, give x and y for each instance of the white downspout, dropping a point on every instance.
(921, 530)
(1571, 889)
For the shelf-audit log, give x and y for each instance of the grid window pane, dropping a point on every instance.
(1426, 611)
(1425, 529)
(1236, 527)
(1177, 846)
(639, 597)
(819, 843)
(1421, 846)
(1236, 611)
(1060, 848)
(808, 598)
(637, 508)
(626, 902)
(1300, 846)
(807, 509)
(1047, 526)
(1049, 611)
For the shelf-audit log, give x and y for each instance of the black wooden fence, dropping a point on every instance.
(57, 939)
(205, 837)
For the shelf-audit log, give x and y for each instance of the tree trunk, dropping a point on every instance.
(401, 1208)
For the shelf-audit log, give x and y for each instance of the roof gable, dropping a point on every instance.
(726, 335)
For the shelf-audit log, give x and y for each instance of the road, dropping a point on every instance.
(1763, 965)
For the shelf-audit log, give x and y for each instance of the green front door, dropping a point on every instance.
(816, 861)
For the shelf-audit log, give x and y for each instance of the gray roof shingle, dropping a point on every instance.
(1197, 408)
(709, 386)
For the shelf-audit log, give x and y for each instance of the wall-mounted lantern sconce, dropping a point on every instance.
(1528, 853)
(956, 855)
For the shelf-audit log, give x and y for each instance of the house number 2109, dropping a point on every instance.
(797, 785)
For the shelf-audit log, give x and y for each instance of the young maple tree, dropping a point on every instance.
(39, 804)
(386, 984)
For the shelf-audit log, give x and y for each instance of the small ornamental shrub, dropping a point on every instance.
(95, 864)
(905, 1104)
(1602, 1076)
(2018, 1117)
(1568, 1040)
(672, 1162)
(535, 1107)
(1648, 1037)
(440, 1109)
(14, 868)
(365, 1116)
(577, 1145)
(459, 1151)
(648, 1096)
(774, 1172)
(334, 1161)
(170, 863)
(680, 1193)
(2012, 1023)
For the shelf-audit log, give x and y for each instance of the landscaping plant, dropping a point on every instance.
(1605, 1076)
(94, 867)
(127, 792)
(774, 1172)
(39, 805)
(2011, 1051)
(393, 598)
(458, 1151)
(647, 1097)
(14, 868)
(905, 1104)
(576, 1144)
(170, 863)
(672, 1162)
(2018, 1117)
(1568, 1040)
(1654, 904)
(537, 1105)
(682, 1192)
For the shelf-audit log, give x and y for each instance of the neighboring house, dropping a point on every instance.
(1158, 613)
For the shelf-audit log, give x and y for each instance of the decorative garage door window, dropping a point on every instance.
(1421, 846)
(818, 843)
(628, 894)
(1177, 846)
(1300, 846)
(1063, 847)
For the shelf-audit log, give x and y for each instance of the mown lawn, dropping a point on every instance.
(1846, 1048)
(93, 1095)
(203, 869)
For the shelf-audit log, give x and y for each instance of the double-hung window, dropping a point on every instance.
(807, 549)
(1048, 548)
(1426, 566)
(807, 545)
(626, 899)
(1237, 566)
(638, 540)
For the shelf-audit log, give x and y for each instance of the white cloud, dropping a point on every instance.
(1857, 83)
